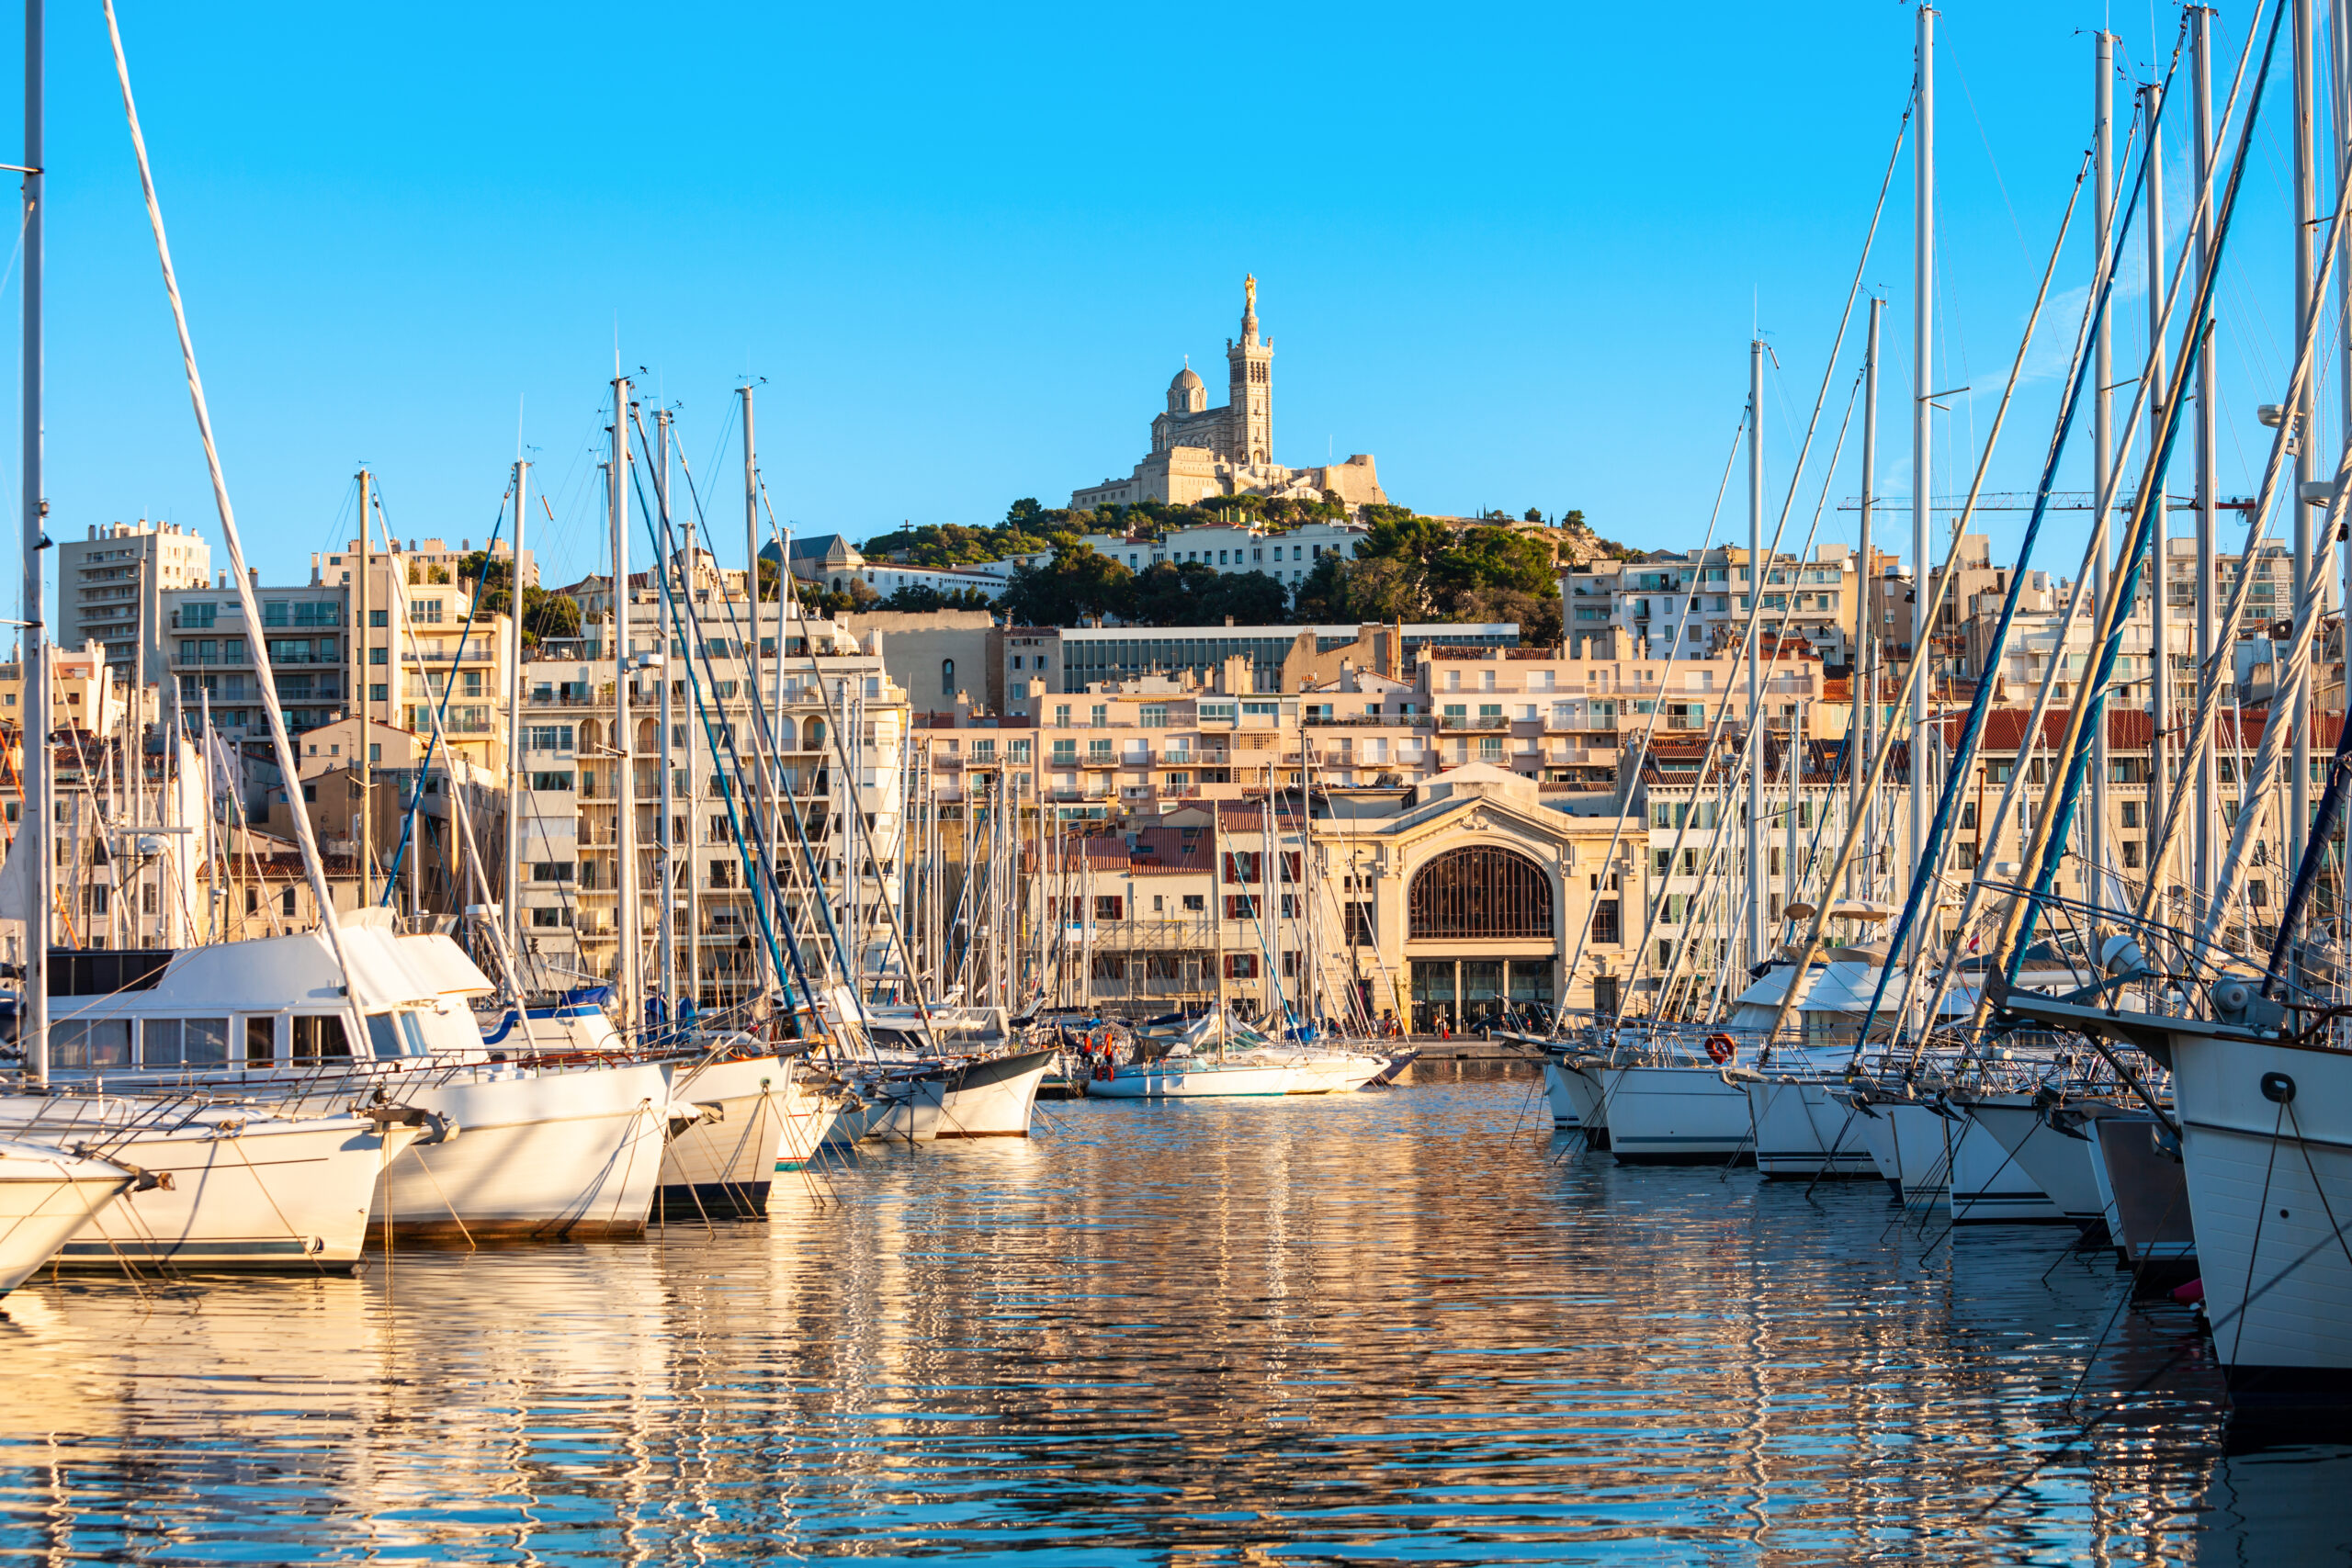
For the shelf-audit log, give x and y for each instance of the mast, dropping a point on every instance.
(2299, 820)
(1923, 348)
(41, 812)
(1755, 577)
(2103, 453)
(1865, 629)
(2206, 783)
(628, 922)
(2160, 523)
(771, 774)
(367, 638)
(665, 847)
(514, 739)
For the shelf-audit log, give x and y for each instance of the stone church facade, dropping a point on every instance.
(1199, 452)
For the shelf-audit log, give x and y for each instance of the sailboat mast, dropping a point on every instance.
(359, 660)
(1923, 348)
(2208, 785)
(2160, 566)
(771, 775)
(41, 814)
(2306, 47)
(628, 921)
(1756, 576)
(665, 622)
(1865, 711)
(2103, 453)
(514, 736)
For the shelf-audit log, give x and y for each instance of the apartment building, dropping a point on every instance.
(1277, 659)
(110, 587)
(1695, 605)
(838, 734)
(210, 656)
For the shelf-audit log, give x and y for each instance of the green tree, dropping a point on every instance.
(1079, 581)
(920, 598)
(1533, 514)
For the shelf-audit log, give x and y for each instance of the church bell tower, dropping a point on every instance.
(1250, 397)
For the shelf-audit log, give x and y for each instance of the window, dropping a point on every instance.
(1240, 965)
(1110, 907)
(425, 612)
(184, 1042)
(261, 1040)
(1061, 715)
(320, 1037)
(1021, 750)
(1359, 926)
(200, 616)
(376, 656)
(561, 780)
(947, 678)
(1241, 865)
(1479, 891)
(1241, 906)
(550, 916)
(547, 737)
(1605, 929)
(552, 870)
(90, 1043)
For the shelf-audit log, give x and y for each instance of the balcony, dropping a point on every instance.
(1495, 722)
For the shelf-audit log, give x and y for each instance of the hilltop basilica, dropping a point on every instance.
(1199, 453)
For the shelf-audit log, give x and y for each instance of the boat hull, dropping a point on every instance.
(991, 1098)
(47, 1199)
(1676, 1115)
(548, 1156)
(1988, 1185)
(720, 1166)
(2058, 1164)
(1802, 1130)
(268, 1195)
(2266, 1151)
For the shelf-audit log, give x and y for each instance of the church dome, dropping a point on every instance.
(1186, 394)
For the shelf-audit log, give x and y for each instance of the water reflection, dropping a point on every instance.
(1366, 1328)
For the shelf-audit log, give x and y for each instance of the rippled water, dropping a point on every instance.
(1377, 1328)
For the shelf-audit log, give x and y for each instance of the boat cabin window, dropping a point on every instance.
(318, 1037)
(90, 1043)
(393, 1034)
(261, 1040)
(184, 1042)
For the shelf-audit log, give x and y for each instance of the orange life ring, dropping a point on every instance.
(1720, 1049)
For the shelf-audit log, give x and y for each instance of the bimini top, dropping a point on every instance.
(1840, 988)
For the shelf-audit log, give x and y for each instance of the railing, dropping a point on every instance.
(1495, 722)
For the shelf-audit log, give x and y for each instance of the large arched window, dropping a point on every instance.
(1479, 891)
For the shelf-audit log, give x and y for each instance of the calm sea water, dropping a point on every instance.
(1373, 1329)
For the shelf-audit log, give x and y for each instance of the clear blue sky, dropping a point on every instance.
(1516, 253)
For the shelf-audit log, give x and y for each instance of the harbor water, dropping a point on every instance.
(1410, 1326)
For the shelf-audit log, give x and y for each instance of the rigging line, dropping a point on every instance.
(1944, 41)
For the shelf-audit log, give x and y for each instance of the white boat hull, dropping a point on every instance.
(1685, 1115)
(540, 1156)
(47, 1198)
(2058, 1165)
(2267, 1146)
(236, 1193)
(1988, 1185)
(1801, 1131)
(1184, 1078)
(1907, 1145)
(991, 1098)
(1567, 1113)
(720, 1166)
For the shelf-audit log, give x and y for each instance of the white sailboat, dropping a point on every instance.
(49, 1197)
